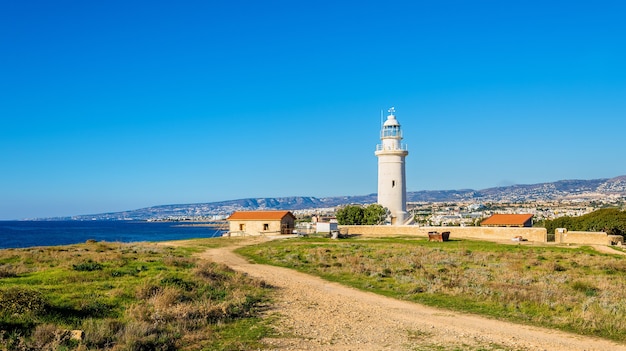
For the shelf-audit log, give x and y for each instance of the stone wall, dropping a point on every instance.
(482, 233)
(564, 236)
(616, 239)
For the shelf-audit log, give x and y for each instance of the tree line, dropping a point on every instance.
(609, 220)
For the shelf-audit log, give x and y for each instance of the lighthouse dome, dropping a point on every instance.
(391, 121)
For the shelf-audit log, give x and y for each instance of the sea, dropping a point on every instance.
(21, 234)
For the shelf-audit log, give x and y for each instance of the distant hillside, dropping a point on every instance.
(515, 193)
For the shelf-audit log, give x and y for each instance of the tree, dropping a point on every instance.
(375, 214)
(350, 215)
(609, 220)
(359, 215)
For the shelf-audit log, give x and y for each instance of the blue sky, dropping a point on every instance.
(117, 105)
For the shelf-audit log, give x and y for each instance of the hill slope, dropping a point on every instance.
(515, 193)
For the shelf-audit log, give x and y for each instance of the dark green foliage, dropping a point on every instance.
(87, 266)
(21, 301)
(7, 272)
(361, 215)
(585, 287)
(350, 215)
(609, 220)
(374, 214)
(178, 282)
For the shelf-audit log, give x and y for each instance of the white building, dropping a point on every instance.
(391, 171)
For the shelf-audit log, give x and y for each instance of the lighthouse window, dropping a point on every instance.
(393, 183)
(391, 131)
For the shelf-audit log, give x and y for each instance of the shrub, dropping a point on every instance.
(177, 261)
(21, 301)
(585, 287)
(87, 266)
(178, 282)
(145, 336)
(7, 271)
(101, 333)
(49, 337)
(212, 272)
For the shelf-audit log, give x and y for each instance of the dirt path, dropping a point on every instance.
(320, 315)
(608, 250)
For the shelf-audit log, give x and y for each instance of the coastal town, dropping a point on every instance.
(467, 207)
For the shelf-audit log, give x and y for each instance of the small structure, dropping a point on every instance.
(326, 227)
(508, 220)
(436, 236)
(243, 223)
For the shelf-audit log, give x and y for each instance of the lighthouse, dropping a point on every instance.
(391, 171)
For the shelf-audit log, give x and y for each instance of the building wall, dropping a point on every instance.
(325, 227)
(482, 233)
(585, 238)
(258, 227)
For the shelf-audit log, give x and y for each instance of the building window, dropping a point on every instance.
(242, 227)
(266, 226)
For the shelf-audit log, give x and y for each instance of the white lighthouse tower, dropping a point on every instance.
(391, 172)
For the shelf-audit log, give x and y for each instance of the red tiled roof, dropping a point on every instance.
(259, 215)
(507, 219)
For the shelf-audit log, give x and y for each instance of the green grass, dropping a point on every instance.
(127, 296)
(572, 289)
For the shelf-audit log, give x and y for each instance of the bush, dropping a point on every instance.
(21, 301)
(585, 287)
(101, 333)
(49, 337)
(212, 272)
(7, 272)
(87, 266)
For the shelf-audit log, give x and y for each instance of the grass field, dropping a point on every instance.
(126, 297)
(572, 289)
(155, 297)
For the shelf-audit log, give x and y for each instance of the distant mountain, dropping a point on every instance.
(561, 189)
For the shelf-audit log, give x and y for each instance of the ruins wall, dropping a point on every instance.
(482, 233)
(562, 236)
(584, 238)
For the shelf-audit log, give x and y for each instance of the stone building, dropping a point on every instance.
(261, 223)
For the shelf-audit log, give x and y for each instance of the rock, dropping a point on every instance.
(77, 335)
